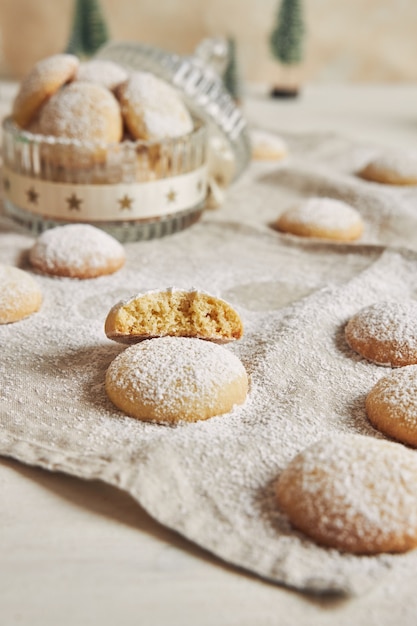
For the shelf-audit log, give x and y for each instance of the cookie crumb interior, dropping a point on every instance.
(180, 313)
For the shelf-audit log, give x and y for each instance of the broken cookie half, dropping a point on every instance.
(173, 312)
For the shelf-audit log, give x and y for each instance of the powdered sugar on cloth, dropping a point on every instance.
(213, 481)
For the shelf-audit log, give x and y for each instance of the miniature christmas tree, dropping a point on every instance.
(231, 77)
(89, 30)
(286, 42)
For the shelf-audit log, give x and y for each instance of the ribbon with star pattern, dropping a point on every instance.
(105, 202)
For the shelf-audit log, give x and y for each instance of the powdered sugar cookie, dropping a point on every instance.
(77, 251)
(267, 146)
(385, 333)
(173, 379)
(152, 109)
(174, 312)
(391, 405)
(353, 493)
(394, 168)
(105, 73)
(85, 112)
(46, 77)
(20, 294)
(323, 218)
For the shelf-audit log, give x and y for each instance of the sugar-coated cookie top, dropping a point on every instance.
(356, 489)
(153, 109)
(19, 292)
(45, 78)
(82, 111)
(75, 246)
(324, 213)
(105, 73)
(387, 322)
(399, 390)
(171, 372)
(401, 163)
(268, 143)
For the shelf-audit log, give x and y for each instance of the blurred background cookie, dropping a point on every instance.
(46, 77)
(152, 109)
(85, 112)
(105, 73)
(324, 218)
(20, 294)
(77, 251)
(267, 146)
(393, 168)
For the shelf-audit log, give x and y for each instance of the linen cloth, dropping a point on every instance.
(213, 481)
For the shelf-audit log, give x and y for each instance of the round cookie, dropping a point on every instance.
(324, 218)
(152, 109)
(385, 333)
(395, 168)
(353, 493)
(391, 405)
(87, 113)
(105, 73)
(77, 251)
(267, 146)
(46, 77)
(174, 379)
(174, 312)
(20, 294)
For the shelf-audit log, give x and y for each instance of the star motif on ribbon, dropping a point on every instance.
(32, 195)
(171, 195)
(125, 203)
(74, 203)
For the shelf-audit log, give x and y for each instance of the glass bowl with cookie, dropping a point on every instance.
(111, 143)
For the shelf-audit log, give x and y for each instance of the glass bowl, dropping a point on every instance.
(134, 190)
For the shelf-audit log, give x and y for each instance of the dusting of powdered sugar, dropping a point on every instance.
(173, 374)
(387, 322)
(18, 291)
(82, 111)
(355, 491)
(213, 481)
(106, 73)
(401, 163)
(75, 247)
(267, 145)
(42, 81)
(397, 392)
(324, 213)
(157, 105)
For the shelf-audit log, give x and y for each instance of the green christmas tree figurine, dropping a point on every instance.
(89, 30)
(286, 43)
(231, 77)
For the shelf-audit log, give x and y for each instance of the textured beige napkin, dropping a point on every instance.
(326, 165)
(213, 481)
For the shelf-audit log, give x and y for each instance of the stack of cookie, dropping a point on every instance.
(95, 104)
(176, 371)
